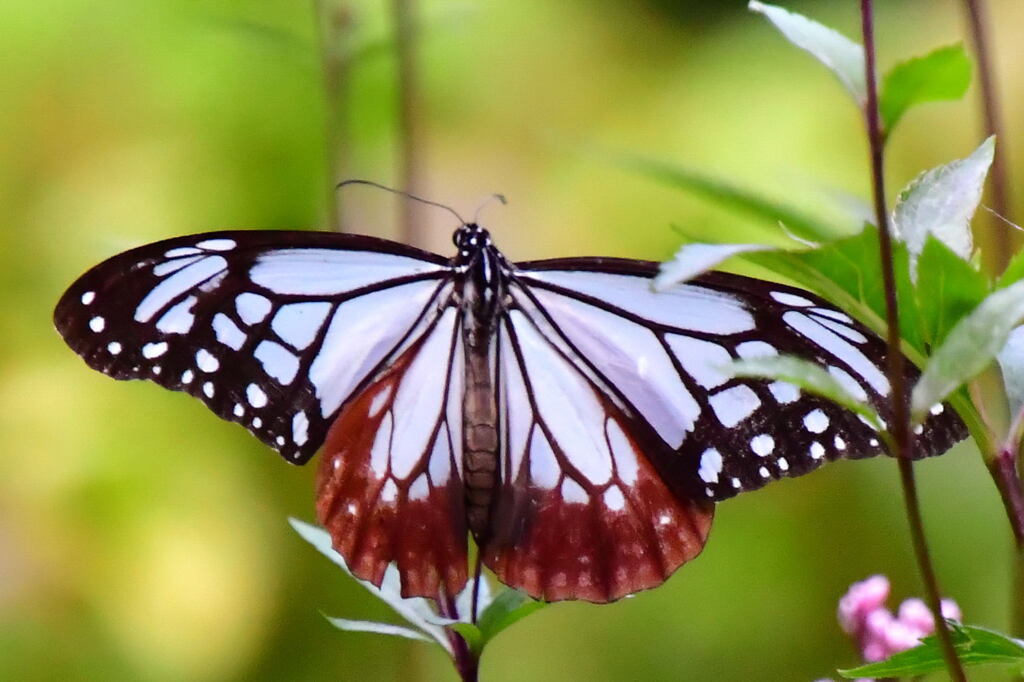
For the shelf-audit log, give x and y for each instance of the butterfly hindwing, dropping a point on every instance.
(582, 511)
(273, 330)
(662, 355)
(389, 487)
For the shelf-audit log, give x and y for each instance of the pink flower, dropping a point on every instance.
(878, 633)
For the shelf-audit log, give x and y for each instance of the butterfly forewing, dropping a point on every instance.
(663, 354)
(274, 330)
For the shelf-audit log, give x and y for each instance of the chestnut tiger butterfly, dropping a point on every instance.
(574, 423)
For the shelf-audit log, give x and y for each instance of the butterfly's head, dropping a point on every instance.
(471, 238)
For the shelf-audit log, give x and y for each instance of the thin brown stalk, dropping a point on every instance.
(408, 143)
(334, 26)
(902, 434)
(467, 664)
(1000, 240)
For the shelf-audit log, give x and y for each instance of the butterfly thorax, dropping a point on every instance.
(483, 293)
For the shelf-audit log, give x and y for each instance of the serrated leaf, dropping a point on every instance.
(840, 54)
(507, 609)
(808, 376)
(377, 628)
(415, 610)
(974, 646)
(942, 202)
(943, 74)
(947, 289)
(695, 259)
(727, 195)
(969, 348)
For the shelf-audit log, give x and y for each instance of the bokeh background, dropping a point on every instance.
(142, 539)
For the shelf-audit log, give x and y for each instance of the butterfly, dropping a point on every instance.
(576, 424)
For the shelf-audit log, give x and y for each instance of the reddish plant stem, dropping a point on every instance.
(466, 662)
(1000, 239)
(902, 435)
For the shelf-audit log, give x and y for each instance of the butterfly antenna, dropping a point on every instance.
(407, 195)
(487, 202)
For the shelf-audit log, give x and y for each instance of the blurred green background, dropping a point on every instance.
(143, 539)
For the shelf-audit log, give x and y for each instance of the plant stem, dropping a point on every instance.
(1001, 246)
(334, 24)
(902, 434)
(407, 147)
(466, 662)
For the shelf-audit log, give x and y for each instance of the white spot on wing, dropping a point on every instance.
(703, 360)
(300, 428)
(88, 297)
(573, 493)
(613, 499)
(255, 395)
(186, 376)
(239, 410)
(710, 465)
(762, 445)
(97, 324)
(420, 489)
(252, 308)
(783, 464)
(937, 409)
(179, 319)
(784, 392)
(182, 251)
(817, 450)
(735, 404)
(791, 299)
(206, 361)
(299, 323)
(389, 493)
(154, 350)
(114, 347)
(277, 361)
(208, 389)
(217, 244)
(839, 443)
(764, 472)
(227, 332)
(756, 349)
(816, 421)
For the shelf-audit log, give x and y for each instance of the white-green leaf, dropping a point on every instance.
(415, 610)
(942, 202)
(942, 74)
(969, 348)
(464, 602)
(808, 376)
(695, 259)
(377, 628)
(1011, 362)
(840, 54)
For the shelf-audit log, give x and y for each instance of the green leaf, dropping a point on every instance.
(974, 646)
(948, 288)
(417, 611)
(377, 628)
(848, 273)
(508, 608)
(942, 202)
(729, 196)
(944, 74)
(695, 259)
(808, 376)
(969, 348)
(840, 54)
(1013, 272)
